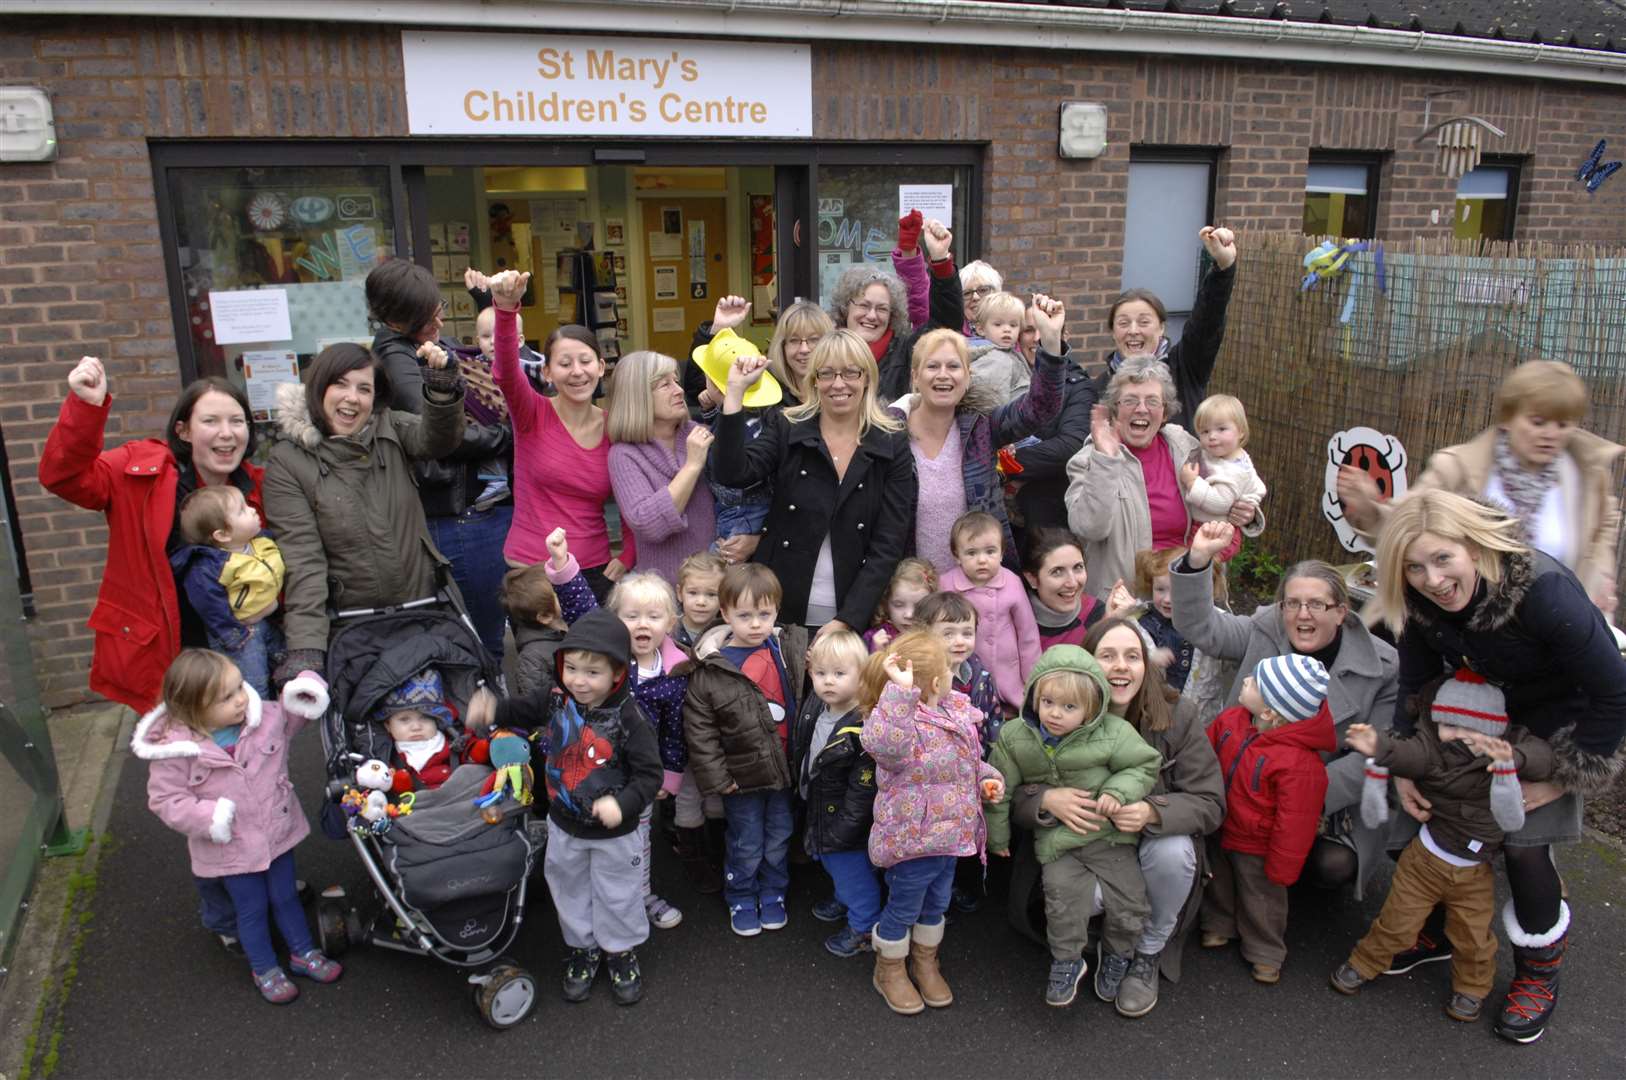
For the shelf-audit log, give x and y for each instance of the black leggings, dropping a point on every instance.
(1331, 865)
(1537, 890)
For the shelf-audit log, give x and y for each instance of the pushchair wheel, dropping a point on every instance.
(504, 995)
(332, 930)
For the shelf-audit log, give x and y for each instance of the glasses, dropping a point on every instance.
(801, 342)
(981, 292)
(1152, 403)
(1314, 607)
(846, 375)
(881, 310)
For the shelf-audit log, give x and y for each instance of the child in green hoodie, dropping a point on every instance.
(1067, 738)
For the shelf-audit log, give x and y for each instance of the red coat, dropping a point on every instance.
(1274, 786)
(137, 618)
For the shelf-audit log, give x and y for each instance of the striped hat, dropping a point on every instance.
(1468, 701)
(1294, 687)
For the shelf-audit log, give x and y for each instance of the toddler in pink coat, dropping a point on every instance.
(1007, 634)
(218, 774)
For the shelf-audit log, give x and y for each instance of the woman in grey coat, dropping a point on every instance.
(1311, 616)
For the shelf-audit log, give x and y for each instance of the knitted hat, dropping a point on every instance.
(1468, 701)
(1294, 687)
(422, 693)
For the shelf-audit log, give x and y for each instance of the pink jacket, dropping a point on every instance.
(1007, 635)
(928, 762)
(238, 810)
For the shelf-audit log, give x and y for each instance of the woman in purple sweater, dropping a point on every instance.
(657, 456)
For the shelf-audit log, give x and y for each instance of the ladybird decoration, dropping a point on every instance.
(267, 211)
(1380, 457)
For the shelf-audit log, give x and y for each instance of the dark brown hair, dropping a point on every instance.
(945, 607)
(182, 413)
(331, 365)
(1041, 543)
(206, 510)
(574, 333)
(527, 595)
(1129, 296)
(1153, 708)
(749, 581)
(403, 295)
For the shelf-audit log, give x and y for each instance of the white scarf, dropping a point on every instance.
(419, 752)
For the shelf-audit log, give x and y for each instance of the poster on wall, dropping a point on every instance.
(666, 283)
(665, 245)
(762, 259)
(932, 200)
(251, 316)
(264, 371)
(668, 320)
(615, 231)
(672, 220)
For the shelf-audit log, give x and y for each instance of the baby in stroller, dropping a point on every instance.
(415, 717)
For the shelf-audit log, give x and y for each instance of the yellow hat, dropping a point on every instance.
(717, 356)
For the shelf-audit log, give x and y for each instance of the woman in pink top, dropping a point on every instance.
(561, 448)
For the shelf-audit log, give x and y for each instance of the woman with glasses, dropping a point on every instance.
(1311, 617)
(874, 304)
(1123, 493)
(1137, 320)
(978, 281)
(844, 490)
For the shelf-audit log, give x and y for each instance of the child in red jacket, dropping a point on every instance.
(1269, 749)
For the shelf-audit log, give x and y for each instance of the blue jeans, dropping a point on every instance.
(918, 891)
(857, 886)
(741, 519)
(472, 541)
(214, 906)
(271, 892)
(257, 656)
(756, 863)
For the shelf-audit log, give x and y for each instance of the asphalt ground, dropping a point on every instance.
(156, 996)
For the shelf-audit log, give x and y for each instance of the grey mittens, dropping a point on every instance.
(1506, 797)
(1375, 795)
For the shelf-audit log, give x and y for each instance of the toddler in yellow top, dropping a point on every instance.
(231, 576)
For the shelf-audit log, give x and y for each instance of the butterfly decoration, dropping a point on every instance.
(1594, 170)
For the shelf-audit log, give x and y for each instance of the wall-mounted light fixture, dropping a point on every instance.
(1083, 129)
(27, 132)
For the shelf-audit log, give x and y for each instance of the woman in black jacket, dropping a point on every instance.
(1137, 320)
(843, 478)
(466, 497)
(1461, 591)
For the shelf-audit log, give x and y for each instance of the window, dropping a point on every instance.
(1485, 198)
(303, 238)
(858, 213)
(1171, 197)
(1341, 197)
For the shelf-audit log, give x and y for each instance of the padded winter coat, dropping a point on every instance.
(731, 734)
(1274, 785)
(841, 793)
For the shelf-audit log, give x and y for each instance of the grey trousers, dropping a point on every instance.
(1168, 864)
(1070, 884)
(598, 889)
(1241, 902)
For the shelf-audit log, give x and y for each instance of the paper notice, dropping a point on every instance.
(932, 200)
(665, 245)
(250, 315)
(666, 283)
(668, 320)
(264, 372)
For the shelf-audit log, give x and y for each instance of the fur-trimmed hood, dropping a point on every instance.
(294, 421)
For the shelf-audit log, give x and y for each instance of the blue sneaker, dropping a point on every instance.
(847, 942)
(774, 915)
(742, 919)
(831, 910)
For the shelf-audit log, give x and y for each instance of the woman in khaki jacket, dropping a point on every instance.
(1537, 464)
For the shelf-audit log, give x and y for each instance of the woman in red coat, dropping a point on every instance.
(138, 486)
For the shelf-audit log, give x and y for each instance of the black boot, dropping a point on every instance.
(715, 846)
(1533, 994)
(689, 844)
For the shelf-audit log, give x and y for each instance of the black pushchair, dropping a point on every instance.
(448, 883)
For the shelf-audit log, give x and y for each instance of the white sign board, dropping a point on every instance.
(531, 84)
(1380, 457)
(250, 315)
(932, 200)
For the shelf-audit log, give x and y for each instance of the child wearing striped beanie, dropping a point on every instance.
(1467, 761)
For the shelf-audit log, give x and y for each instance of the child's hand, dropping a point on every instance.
(730, 312)
(993, 789)
(1500, 751)
(482, 711)
(508, 289)
(558, 548)
(1189, 472)
(1108, 804)
(88, 381)
(1162, 657)
(698, 445)
(1120, 599)
(1005, 854)
(1362, 738)
(731, 789)
(901, 675)
(938, 240)
(878, 642)
(432, 355)
(608, 811)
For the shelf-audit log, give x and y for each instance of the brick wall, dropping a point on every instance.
(81, 270)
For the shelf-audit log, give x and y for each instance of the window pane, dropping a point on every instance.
(1168, 204)
(1336, 214)
(310, 233)
(858, 213)
(1343, 179)
(1483, 211)
(1485, 182)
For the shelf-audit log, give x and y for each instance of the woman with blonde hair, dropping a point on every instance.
(843, 481)
(1462, 591)
(657, 455)
(1535, 462)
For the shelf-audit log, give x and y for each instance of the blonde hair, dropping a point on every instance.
(836, 647)
(192, 686)
(804, 319)
(527, 595)
(1218, 408)
(643, 585)
(1070, 687)
(1001, 304)
(839, 349)
(701, 562)
(206, 511)
(1547, 388)
(632, 395)
(928, 343)
(910, 571)
(922, 650)
(1487, 533)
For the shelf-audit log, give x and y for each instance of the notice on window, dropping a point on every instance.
(250, 316)
(932, 200)
(264, 372)
(666, 283)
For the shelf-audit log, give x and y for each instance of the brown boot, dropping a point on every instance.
(891, 980)
(924, 941)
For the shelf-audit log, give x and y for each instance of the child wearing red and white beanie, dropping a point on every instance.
(1467, 761)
